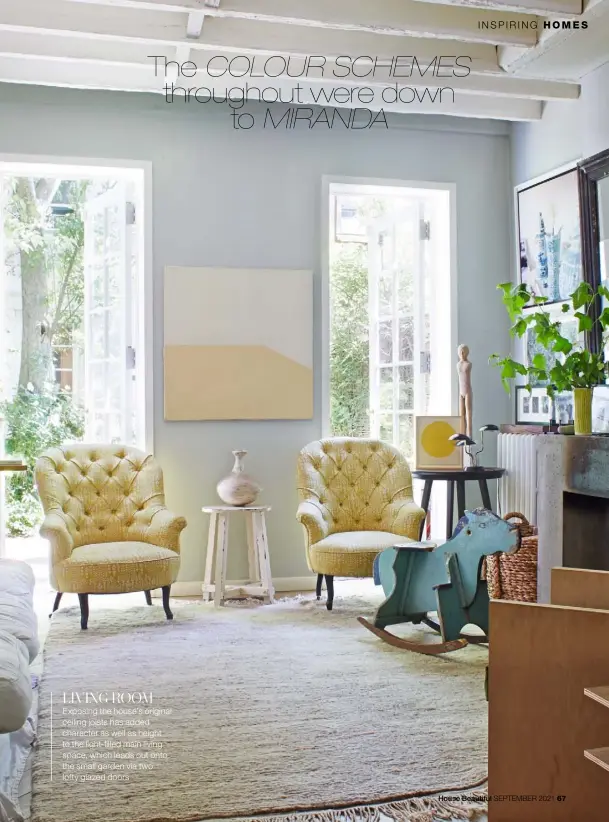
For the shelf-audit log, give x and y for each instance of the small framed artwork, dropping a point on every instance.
(549, 234)
(564, 407)
(433, 446)
(600, 410)
(532, 407)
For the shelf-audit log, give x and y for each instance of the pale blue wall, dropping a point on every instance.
(253, 199)
(567, 131)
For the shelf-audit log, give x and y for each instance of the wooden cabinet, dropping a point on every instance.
(549, 703)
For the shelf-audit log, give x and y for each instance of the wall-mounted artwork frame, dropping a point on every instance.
(548, 233)
(238, 344)
(591, 171)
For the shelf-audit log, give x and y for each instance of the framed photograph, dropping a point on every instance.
(549, 234)
(532, 407)
(600, 410)
(433, 447)
(564, 408)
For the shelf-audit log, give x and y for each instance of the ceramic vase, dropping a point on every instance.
(238, 488)
(583, 410)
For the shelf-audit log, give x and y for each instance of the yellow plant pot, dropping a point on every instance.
(583, 410)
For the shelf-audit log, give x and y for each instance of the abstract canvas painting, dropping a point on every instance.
(238, 344)
(549, 236)
(433, 447)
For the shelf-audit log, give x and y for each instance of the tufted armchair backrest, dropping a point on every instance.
(353, 481)
(104, 493)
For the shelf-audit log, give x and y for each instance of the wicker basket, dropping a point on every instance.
(514, 576)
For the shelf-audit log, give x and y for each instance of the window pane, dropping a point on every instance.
(387, 250)
(405, 292)
(406, 378)
(386, 389)
(385, 293)
(386, 428)
(407, 338)
(385, 342)
(406, 443)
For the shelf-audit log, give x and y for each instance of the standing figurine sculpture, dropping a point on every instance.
(466, 399)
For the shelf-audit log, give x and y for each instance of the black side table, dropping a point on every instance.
(458, 477)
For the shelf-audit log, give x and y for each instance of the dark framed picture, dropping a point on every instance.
(549, 234)
(532, 407)
(537, 408)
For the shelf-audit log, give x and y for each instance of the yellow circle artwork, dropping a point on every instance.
(434, 439)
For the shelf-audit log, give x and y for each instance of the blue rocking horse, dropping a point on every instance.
(421, 577)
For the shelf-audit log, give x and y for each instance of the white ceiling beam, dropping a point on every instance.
(161, 29)
(561, 8)
(128, 55)
(403, 17)
(595, 15)
(42, 71)
(182, 54)
(194, 25)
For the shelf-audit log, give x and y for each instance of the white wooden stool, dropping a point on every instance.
(260, 583)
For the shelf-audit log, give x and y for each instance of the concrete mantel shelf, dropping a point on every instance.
(572, 505)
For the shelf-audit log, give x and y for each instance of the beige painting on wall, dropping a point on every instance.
(238, 344)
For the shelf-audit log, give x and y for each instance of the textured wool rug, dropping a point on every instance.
(243, 712)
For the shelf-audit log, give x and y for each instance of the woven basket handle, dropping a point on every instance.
(517, 515)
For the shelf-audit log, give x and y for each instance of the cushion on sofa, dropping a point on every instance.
(17, 614)
(16, 577)
(15, 683)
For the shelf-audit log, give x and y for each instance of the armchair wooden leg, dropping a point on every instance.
(330, 588)
(148, 596)
(166, 589)
(84, 610)
(58, 597)
(320, 579)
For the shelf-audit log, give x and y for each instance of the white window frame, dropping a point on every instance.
(328, 184)
(78, 168)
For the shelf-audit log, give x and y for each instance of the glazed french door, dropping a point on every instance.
(111, 318)
(399, 341)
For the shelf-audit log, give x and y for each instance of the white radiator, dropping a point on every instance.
(518, 488)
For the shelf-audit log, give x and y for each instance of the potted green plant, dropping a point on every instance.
(572, 367)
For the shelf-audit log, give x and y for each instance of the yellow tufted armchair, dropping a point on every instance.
(107, 523)
(355, 501)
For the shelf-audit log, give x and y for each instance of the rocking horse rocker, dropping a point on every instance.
(420, 577)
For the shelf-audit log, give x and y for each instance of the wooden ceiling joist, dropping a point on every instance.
(402, 17)
(508, 61)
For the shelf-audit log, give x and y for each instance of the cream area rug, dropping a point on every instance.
(243, 712)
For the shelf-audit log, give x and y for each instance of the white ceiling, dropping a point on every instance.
(107, 44)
